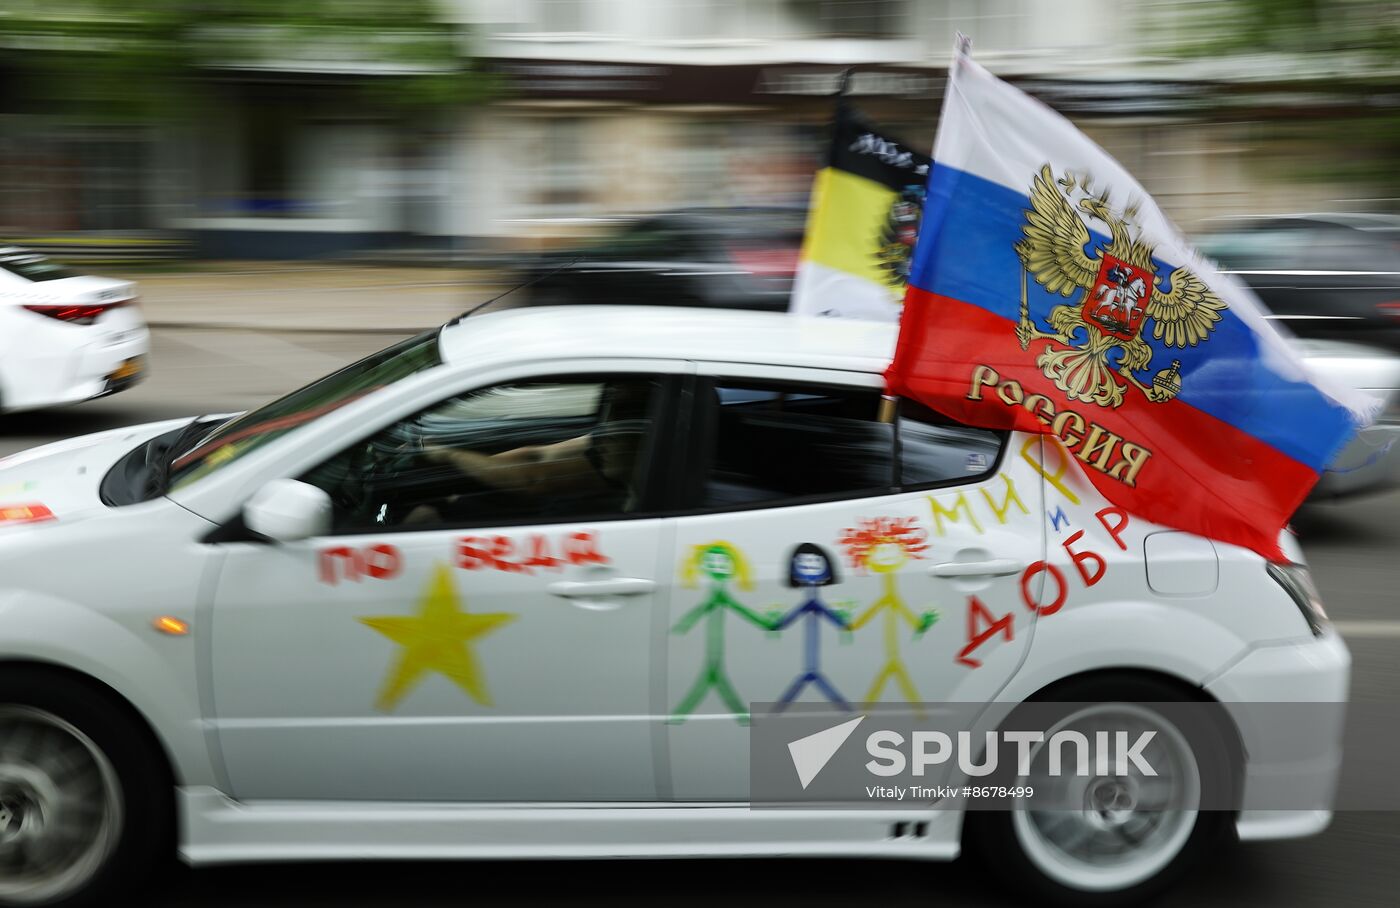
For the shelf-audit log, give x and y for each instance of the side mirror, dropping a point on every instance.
(286, 510)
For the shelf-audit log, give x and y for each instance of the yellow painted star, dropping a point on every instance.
(435, 640)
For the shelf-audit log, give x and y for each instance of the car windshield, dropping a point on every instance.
(252, 430)
(34, 267)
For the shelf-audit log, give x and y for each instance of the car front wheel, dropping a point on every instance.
(82, 803)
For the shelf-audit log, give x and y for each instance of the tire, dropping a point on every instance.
(86, 795)
(1028, 850)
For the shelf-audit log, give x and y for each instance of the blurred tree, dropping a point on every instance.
(147, 59)
(1345, 54)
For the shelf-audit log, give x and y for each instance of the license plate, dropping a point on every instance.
(128, 369)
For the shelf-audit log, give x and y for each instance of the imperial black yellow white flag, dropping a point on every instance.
(861, 224)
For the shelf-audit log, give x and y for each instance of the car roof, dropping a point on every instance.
(647, 332)
(731, 218)
(1380, 223)
(733, 212)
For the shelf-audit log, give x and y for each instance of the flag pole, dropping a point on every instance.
(888, 402)
(843, 87)
(1025, 312)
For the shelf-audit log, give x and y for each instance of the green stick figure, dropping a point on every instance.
(720, 562)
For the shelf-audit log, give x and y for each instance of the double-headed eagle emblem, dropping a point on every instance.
(1119, 290)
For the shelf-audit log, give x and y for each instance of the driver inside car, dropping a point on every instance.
(602, 462)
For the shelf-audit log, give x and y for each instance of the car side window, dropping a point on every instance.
(526, 452)
(654, 240)
(1336, 248)
(935, 450)
(777, 443)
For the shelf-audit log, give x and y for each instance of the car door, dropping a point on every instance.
(792, 469)
(461, 634)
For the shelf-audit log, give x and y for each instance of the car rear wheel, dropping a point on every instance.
(1127, 837)
(83, 806)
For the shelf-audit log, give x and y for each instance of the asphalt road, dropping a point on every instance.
(1352, 547)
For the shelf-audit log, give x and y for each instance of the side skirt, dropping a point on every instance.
(219, 830)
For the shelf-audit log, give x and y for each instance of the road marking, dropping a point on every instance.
(1377, 628)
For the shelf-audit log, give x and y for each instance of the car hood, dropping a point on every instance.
(59, 482)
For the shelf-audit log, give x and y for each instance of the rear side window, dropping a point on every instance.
(934, 450)
(34, 267)
(774, 444)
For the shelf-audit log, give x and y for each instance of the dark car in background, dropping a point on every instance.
(1330, 276)
(735, 258)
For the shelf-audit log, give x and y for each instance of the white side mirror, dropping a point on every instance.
(286, 510)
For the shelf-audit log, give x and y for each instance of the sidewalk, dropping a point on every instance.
(309, 296)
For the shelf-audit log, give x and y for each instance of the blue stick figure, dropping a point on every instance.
(810, 568)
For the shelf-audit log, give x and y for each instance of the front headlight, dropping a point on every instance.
(1297, 582)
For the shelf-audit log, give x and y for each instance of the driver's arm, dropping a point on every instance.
(538, 469)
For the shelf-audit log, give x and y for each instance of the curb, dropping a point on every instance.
(285, 329)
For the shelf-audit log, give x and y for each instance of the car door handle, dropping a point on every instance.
(593, 589)
(995, 567)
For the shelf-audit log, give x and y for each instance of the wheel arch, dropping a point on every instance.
(1230, 731)
(1110, 674)
(131, 712)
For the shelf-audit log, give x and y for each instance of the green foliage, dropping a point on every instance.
(150, 59)
(1347, 51)
(1367, 31)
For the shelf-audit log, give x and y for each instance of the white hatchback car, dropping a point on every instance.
(65, 337)
(499, 591)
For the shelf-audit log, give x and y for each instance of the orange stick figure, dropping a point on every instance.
(883, 545)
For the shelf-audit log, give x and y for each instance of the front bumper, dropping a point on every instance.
(1291, 768)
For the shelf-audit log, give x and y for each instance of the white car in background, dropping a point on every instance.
(1370, 463)
(65, 337)
(502, 590)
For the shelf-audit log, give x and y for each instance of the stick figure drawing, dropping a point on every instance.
(720, 563)
(883, 545)
(809, 569)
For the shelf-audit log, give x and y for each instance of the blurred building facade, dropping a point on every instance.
(612, 107)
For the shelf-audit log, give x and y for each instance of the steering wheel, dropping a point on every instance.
(377, 464)
(369, 464)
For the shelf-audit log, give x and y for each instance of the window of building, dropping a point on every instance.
(567, 177)
(856, 18)
(562, 17)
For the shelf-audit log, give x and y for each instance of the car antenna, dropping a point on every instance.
(520, 286)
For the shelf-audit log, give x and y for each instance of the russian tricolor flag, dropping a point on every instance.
(1049, 294)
